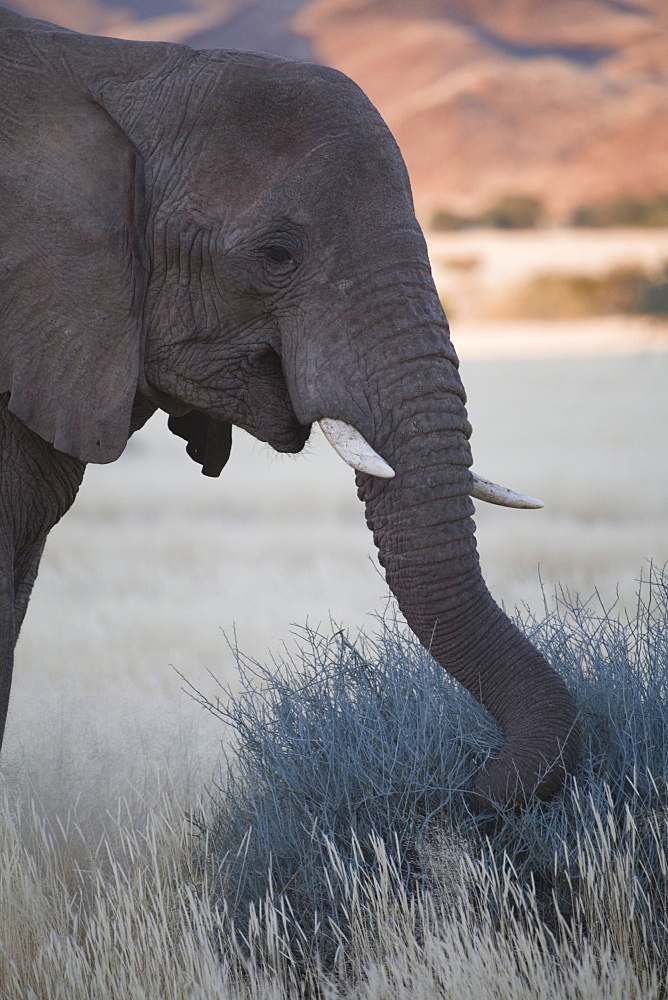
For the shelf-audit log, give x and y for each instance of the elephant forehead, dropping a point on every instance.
(286, 104)
(252, 121)
(359, 175)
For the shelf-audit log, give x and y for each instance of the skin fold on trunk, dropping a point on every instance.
(422, 525)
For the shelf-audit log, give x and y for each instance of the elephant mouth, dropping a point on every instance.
(266, 409)
(290, 441)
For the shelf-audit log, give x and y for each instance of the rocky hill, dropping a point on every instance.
(564, 100)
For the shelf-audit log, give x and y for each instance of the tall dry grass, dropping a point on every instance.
(136, 922)
(166, 892)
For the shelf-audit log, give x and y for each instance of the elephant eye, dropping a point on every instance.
(278, 254)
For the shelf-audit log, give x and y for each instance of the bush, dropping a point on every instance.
(653, 295)
(352, 753)
(343, 743)
(448, 222)
(623, 290)
(623, 212)
(513, 211)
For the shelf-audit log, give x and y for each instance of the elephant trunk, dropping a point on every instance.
(422, 525)
(404, 398)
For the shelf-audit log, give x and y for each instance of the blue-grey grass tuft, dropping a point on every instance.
(347, 744)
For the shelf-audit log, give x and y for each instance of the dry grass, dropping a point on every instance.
(110, 891)
(128, 916)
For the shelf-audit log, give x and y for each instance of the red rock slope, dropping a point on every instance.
(566, 100)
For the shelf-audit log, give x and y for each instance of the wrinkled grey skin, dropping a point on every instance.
(231, 237)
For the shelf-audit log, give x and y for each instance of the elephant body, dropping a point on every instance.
(230, 237)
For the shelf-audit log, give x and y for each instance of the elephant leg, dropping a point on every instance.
(7, 639)
(38, 485)
(26, 565)
(15, 593)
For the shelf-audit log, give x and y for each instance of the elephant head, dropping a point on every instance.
(231, 236)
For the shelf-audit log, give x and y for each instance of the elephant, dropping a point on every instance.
(230, 238)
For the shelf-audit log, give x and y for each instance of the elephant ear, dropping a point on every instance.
(72, 266)
(209, 441)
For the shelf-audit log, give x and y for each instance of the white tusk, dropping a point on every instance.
(354, 449)
(357, 452)
(484, 489)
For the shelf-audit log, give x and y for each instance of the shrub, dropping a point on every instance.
(513, 212)
(343, 743)
(354, 752)
(653, 295)
(447, 222)
(625, 290)
(623, 212)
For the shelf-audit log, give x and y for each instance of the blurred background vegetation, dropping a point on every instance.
(517, 211)
(625, 290)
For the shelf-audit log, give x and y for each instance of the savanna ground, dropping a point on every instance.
(103, 872)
